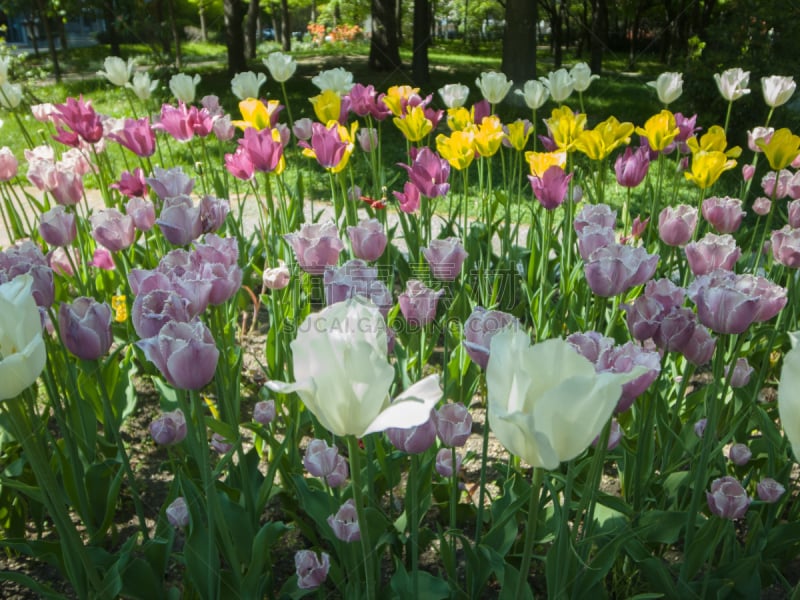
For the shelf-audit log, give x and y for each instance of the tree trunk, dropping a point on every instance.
(286, 27)
(162, 32)
(399, 13)
(62, 34)
(251, 41)
(599, 35)
(176, 38)
(519, 41)
(201, 12)
(634, 49)
(420, 68)
(51, 42)
(234, 40)
(384, 50)
(556, 32)
(111, 30)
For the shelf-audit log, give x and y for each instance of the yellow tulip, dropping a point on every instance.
(327, 106)
(256, 114)
(782, 148)
(565, 127)
(488, 136)
(714, 140)
(395, 96)
(518, 133)
(601, 141)
(539, 162)
(660, 130)
(415, 125)
(707, 168)
(458, 149)
(458, 119)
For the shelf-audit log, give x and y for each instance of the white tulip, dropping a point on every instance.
(777, 89)
(535, 94)
(184, 87)
(142, 86)
(788, 398)
(493, 86)
(546, 402)
(5, 62)
(732, 83)
(669, 87)
(582, 76)
(247, 85)
(10, 95)
(343, 376)
(22, 350)
(117, 71)
(560, 85)
(338, 80)
(454, 95)
(281, 66)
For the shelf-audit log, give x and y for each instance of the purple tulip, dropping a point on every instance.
(786, 246)
(368, 239)
(700, 427)
(338, 477)
(137, 136)
(725, 214)
(345, 522)
(445, 258)
(178, 513)
(444, 462)
(58, 227)
(676, 225)
(772, 297)
(355, 278)
(212, 213)
(776, 186)
(414, 440)
(769, 490)
(154, 309)
(169, 428)
(700, 347)
(727, 498)
(184, 353)
(590, 344)
(310, 569)
(302, 129)
(712, 252)
(742, 371)
(600, 215)
(316, 246)
(220, 444)
(551, 188)
(592, 236)
(142, 212)
(631, 166)
(676, 329)
(723, 303)
(112, 230)
(480, 328)
(179, 221)
(85, 327)
(614, 436)
(408, 198)
(264, 412)
(168, 183)
(740, 454)
(264, 151)
(644, 317)
(617, 268)
(429, 173)
(794, 213)
(623, 359)
(453, 424)
(418, 303)
(320, 459)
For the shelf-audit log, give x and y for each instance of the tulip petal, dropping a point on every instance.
(788, 399)
(411, 408)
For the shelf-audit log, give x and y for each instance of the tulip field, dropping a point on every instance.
(248, 352)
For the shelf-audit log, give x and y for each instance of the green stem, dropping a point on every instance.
(413, 517)
(530, 530)
(355, 474)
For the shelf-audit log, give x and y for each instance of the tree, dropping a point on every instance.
(519, 40)
(233, 11)
(420, 68)
(251, 28)
(384, 49)
(599, 34)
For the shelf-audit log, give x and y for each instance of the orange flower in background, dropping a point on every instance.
(601, 141)
(488, 136)
(565, 126)
(660, 130)
(539, 162)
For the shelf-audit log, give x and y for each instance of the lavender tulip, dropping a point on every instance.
(786, 246)
(112, 230)
(414, 440)
(453, 424)
(590, 344)
(479, 329)
(320, 459)
(676, 329)
(142, 212)
(712, 252)
(368, 239)
(445, 258)
(168, 183)
(180, 221)
(355, 278)
(600, 215)
(617, 268)
(444, 462)
(184, 353)
(85, 327)
(154, 309)
(418, 303)
(762, 206)
(614, 436)
(551, 188)
(310, 569)
(338, 477)
(727, 498)
(740, 454)
(700, 347)
(724, 214)
(771, 297)
(178, 513)
(264, 412)
(592, 237)
(213, 212)
(742, 371)
(769, 490)
(316, 246)
(644, 317)
(676, 225)
(277, 278)
(631, 166)
(169, 428)
(700, 427)
(623, 359)
(58, 227)
(220, 444)
(345, 522)
(723, 304)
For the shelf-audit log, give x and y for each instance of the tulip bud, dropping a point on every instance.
(178, 513)
(277, 278)
(169, 428)
(338, 477)
(739, 454)
(414, 440)
(219, 444)
(727, 498)
(58, 227)
(445, 258)
(700, 427)
(747, 172)
(85, 328)
(320, 459)
(453, 424)
(444, 462)
(769, 490)
(368, 239)
(264, 412)
(479, 329)
(742, 371)
(311, 571)
(418, 303)
(345, 522)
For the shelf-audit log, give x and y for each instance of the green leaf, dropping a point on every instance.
(428, 586)
(39, 589)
